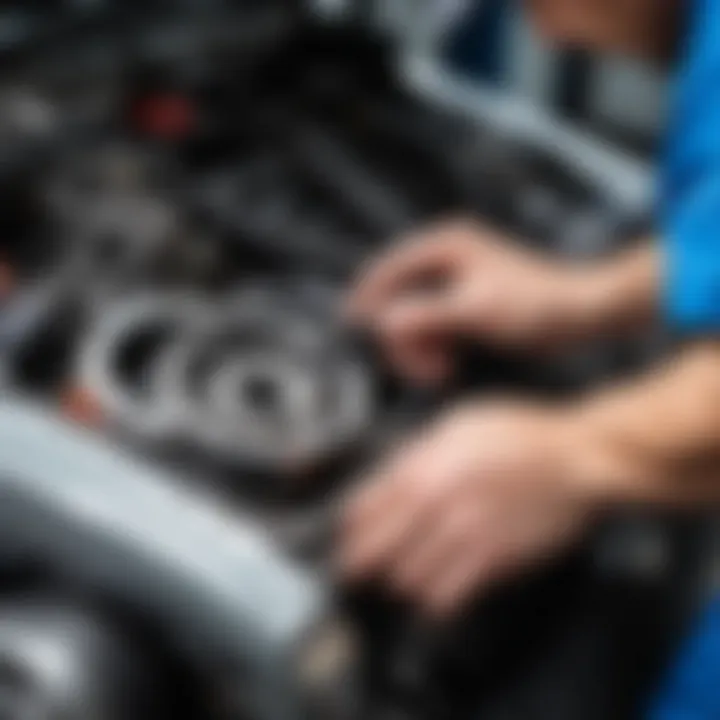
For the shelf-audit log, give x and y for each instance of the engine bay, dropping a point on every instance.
(186, 195)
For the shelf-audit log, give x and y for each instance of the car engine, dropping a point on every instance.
(187, 190)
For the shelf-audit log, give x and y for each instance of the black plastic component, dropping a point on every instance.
(371, 200)
(59, 659)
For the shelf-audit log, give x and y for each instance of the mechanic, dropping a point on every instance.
(498, 485)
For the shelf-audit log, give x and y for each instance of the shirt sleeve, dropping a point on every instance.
(691, 691)
(689, 208)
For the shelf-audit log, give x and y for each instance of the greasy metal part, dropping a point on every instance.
(265, 400)
(309, 415)
(57, 659)
(328, 670)
(26, 115)
(261, 381)
(218, 585)
(333, 164)
(98, 170)
(30, 126)
(116, 221)
(123, 234)
(262, 205)
(138, 332)
(267, 384)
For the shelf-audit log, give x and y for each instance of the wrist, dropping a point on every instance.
(616, 296)
(654, 440)
(602, 469)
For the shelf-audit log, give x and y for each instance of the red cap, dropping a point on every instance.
(166, 116)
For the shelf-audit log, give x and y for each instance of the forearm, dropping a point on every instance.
(622, 294)
(656, 440)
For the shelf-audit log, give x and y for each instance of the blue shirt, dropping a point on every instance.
(689, 203)
(689, 216)
(692, 690)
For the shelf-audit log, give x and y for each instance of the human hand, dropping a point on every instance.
(485, 492)
(464, 281)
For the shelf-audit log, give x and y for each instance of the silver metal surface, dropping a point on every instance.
(115, 226)
(266, 383)
(150, 411)
(123, 233)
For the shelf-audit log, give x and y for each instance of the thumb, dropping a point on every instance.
(416, 335)
(421, 318)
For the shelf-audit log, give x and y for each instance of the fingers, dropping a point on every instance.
(442, 550)
(390, 513)
(416, 335)
(480, 495)
(435, 555)
(514, 536)
(402, 270)
(453, 588)
(460, 555)
(417, 568)
(420, 317)
(411, 301)
(421, 361)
